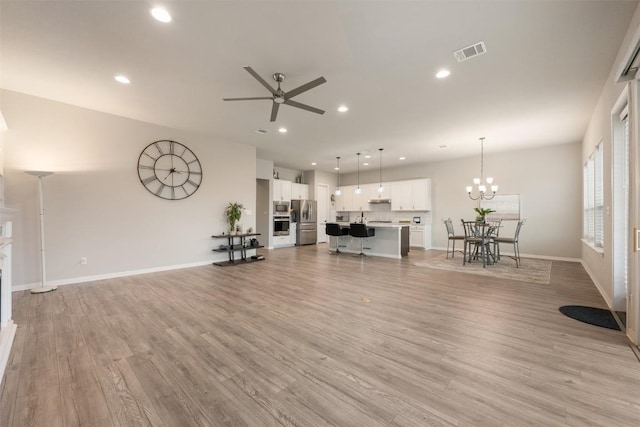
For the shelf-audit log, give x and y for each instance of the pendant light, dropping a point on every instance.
(358, 189)
(380, 188)
(338, 191)
(482, 188)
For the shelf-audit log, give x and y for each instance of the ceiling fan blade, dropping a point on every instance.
(274, 111)
(305, 87)
(261, 80)
(247, 99)
(303, 106)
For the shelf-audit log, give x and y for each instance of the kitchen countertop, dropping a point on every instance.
(379, 224)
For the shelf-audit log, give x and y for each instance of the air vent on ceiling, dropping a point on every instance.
(262, 131)
(470, 51)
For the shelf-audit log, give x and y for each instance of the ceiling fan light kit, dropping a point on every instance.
(278, 96)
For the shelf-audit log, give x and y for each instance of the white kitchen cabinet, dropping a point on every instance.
(299, 191)
(344, 201)
(281, 241)
(416, 236)
(420, 236)
(421, 194)
(402, 199)
(375, 194)
(360, 202)
(411, 195)
(281, 190)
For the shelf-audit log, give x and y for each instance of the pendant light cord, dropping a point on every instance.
(358, 170)
(380, 149)
(481, 160)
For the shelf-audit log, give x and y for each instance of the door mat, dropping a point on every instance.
(591, 315)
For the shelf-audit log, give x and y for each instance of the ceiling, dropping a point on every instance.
(538, 83)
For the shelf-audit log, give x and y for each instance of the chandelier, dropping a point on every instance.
(480, 182)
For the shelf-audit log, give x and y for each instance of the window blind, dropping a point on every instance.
(593, 198)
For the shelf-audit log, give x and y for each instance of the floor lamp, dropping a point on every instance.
(43, 278)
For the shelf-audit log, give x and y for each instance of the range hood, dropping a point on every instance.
(379, 201)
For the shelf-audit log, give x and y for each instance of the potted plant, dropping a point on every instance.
(233, 212)
(481, 213)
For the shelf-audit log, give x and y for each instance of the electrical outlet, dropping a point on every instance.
(83, 260)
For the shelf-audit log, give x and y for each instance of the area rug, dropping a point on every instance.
(591, 315)
(531, 269)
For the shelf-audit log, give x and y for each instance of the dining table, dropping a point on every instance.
(479, 235)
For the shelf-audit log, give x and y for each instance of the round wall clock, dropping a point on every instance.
(169, 170)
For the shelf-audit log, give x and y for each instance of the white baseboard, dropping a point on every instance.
(629, 332)
(7, 334)
(549, 257)
(83, 279)
(598, 285)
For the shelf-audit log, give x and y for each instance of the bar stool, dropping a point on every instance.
(361, 231)
(335, 230)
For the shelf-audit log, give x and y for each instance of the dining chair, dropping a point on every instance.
(515, 241)
(497, 223)
(477, 240)
(452, 237)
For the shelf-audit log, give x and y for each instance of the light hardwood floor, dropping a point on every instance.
(311, 339)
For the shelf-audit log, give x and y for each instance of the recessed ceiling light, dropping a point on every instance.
(282, 130)
(313, 163)
(367, 156)
(365, 164)
(403, 158)
(161, 14)
(343, 108)
(443, 73)
(337, 169)
(122, 79)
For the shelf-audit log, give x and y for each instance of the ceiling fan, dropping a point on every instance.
(281, 97)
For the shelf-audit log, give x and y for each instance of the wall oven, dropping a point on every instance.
(281, 225)
(281, 208)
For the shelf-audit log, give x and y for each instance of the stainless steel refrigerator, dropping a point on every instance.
(306, 220)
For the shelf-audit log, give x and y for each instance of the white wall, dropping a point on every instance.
(263, 211)
(313, 178)
(287, 174)
(600, 266)
(264, 169)
(548, 180)
(96, 206)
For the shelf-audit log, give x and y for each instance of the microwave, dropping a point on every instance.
(281, 208)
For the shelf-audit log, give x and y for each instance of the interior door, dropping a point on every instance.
(322, 197)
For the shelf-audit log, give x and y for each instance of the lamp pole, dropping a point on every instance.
(43, 277)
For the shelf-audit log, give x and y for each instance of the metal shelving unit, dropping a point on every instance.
(236, 246)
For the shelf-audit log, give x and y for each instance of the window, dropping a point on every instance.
(593, 217)
(620, 199)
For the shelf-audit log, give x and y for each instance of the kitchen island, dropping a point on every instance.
(390, 241)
